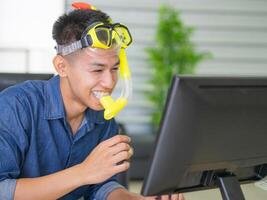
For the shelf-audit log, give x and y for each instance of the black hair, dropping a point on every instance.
(69, 27)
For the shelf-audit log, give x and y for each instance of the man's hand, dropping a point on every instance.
(107, 159)
(167, 197)
(122, 194)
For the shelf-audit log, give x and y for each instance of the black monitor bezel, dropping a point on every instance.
(206, 80)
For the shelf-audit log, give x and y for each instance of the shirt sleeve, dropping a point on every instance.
(7, 189)
(13, 142)
(103, 192)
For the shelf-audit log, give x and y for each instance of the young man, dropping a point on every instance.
(54, 140)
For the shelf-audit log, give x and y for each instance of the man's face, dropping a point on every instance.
(91, 75)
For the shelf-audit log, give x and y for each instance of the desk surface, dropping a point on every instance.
(251, 192)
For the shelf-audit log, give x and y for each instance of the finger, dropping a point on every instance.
(174, 197)
(116, 139)
(121, 156)
(121, 167)
(165, 197)
(119, 147)
(151, 198)
(181, 197)
(131, 151)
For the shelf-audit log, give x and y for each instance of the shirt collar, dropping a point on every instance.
(54, 107)
(93, 116)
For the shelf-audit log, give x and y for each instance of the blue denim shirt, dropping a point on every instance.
(36, 139)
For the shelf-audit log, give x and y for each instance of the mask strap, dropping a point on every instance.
(67, 49)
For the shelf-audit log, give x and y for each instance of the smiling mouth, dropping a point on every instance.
(99, 94)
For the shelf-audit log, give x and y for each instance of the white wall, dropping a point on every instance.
(26, 34)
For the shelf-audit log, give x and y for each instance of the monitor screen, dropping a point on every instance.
(9, 79)
(211, 127)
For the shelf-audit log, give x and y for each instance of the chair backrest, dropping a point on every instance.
(9, 79)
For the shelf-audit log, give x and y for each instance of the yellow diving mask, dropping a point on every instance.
(100, 35)
(105, 36)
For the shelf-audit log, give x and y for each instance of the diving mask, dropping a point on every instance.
(99, 35)
(106, 36)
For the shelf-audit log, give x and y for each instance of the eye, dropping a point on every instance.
(98, 71)
(115, 68)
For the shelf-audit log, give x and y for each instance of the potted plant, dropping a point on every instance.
(173, 53)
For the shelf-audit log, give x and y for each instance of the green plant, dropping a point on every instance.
(173, 53)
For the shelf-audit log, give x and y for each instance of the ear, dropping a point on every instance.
(60, 65)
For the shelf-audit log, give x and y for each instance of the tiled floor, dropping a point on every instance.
(250, 191)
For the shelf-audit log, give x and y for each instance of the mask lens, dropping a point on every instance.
(103, 36)
(124, 35)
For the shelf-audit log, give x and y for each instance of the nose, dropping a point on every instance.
(108, 79)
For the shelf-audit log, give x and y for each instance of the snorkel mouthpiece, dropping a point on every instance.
(112, 107)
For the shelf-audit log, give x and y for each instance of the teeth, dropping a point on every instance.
(99, 94)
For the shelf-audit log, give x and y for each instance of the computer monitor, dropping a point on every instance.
(9, 79)
(213, 134)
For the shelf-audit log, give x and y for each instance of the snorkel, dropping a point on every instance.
(103, 36)
(112, 107)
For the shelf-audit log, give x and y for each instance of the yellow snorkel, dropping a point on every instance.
(112, 107)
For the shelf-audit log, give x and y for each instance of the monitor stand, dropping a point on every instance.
(230, 188)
